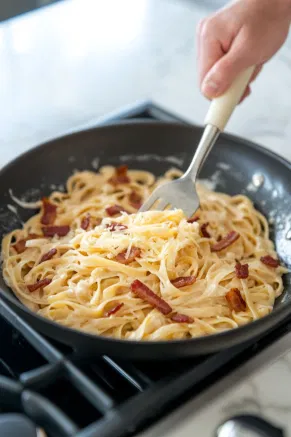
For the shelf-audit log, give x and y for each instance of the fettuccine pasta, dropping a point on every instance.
(90, 261)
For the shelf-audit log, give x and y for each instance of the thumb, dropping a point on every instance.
(224, 72)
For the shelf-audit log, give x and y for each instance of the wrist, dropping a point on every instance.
(281, 8)
(284, 7)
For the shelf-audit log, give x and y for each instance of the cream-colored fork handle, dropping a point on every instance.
(218, 115)
(222, 107)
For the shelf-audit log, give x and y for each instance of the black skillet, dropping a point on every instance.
(153, 146)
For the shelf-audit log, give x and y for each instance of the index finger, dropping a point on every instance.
(209, 51)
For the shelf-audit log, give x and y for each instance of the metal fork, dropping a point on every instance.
(182, 193)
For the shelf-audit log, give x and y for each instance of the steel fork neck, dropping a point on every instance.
(205, 145)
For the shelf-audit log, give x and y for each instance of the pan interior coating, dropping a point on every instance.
(154, 147)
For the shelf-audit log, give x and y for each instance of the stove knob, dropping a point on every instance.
(16, 425)
(248, 426)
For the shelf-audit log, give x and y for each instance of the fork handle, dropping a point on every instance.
(222, 107)
(218, 115)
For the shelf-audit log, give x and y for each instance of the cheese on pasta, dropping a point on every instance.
(89, 289)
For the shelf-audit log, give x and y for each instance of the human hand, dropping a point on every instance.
(245, 33)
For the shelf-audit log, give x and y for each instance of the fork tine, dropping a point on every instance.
(162, 204)
(148, 204)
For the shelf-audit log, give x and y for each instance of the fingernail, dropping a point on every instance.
(210, 88)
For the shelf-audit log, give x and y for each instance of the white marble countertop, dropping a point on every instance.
(260, 387)
(70, 63)
(64, 66)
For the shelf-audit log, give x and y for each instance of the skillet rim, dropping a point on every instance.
(278, 313)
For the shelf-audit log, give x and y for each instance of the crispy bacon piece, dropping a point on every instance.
(47, 256)
(204, 231)
(20, 246)
(113, 310)
(123, 259)
(115, 209)
(270, 261)
(241, 270)
(116, 227)
(181, 318)
(39, 284)
(50, 231)
(90, 222)
(183, 281)
(193, 219)
(120, 176)
(135, 200)
(235, 300)
(225, 242)
(49, 212)
(145, 293)
(85, 223)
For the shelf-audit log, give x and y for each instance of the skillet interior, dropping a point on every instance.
(153, 146)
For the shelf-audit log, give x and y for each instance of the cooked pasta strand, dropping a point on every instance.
(87, 273)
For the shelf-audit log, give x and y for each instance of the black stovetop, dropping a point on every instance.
(42, 386)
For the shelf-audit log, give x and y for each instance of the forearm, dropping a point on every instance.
(280, 7)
